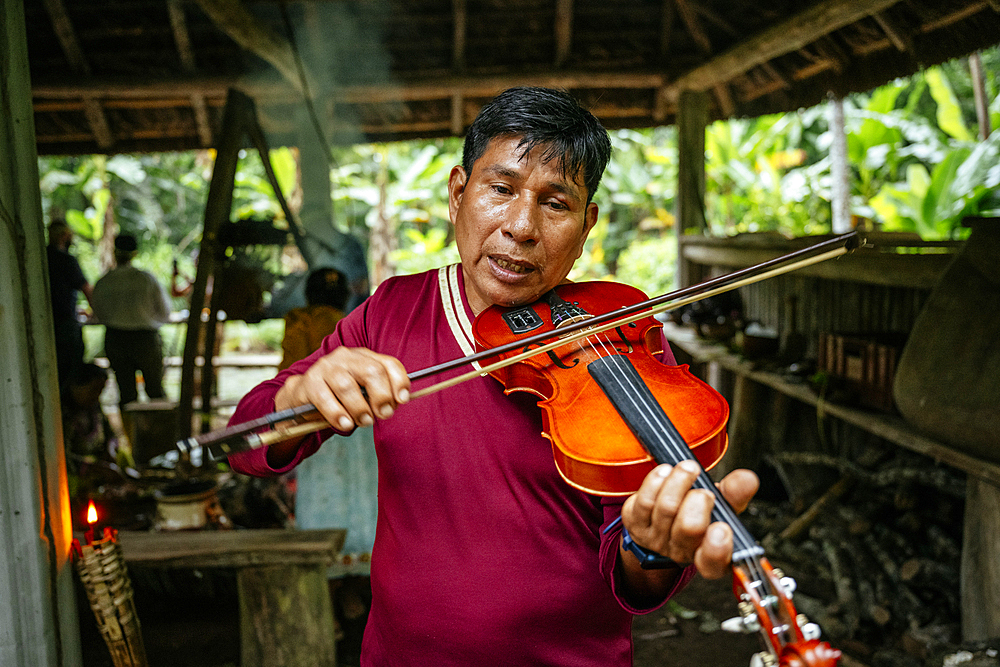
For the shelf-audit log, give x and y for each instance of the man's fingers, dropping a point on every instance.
(738, 487)
(715, 553)
(352, 387)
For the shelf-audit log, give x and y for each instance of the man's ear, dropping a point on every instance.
(456, 188)
(589, 220)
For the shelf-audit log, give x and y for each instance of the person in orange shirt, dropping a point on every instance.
(327, 292)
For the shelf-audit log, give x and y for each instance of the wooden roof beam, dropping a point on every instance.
(900, 39)
(98, 122)
(178, 24)
(429, 88)
(459, 35)
(667, 15)
(958, 15)
(781, 38)
(690, 18)
(232, 18)
(563, 31)
(457, 114)
(66, 35)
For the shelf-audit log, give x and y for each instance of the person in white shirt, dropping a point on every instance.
(132, 305)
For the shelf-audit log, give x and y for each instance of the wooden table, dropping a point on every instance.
(286, 616)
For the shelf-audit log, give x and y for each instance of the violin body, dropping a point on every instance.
(593, 448)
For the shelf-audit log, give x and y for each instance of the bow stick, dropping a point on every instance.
(240, 437)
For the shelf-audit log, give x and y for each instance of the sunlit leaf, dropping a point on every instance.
(949, 112)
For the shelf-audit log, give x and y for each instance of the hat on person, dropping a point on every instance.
(126, 243)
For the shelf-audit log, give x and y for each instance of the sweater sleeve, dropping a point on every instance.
(260, 400)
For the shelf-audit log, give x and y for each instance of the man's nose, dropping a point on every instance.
(522, 222)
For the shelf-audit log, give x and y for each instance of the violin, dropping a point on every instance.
(594, 450)
(664, 415)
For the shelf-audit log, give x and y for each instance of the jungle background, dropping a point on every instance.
(918, 165)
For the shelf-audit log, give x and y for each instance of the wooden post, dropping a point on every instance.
(217, 211)
(692, 118)
(38, 618)
(979, 95)
(980, 583)
(286, 617)
(839, 172)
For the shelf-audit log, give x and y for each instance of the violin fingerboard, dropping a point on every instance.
(637, 406)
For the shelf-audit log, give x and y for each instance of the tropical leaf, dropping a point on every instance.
(949, 112)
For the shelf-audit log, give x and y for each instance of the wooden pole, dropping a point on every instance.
(980, 587)
(839, 171)
(217, 211)
(979, 94)
(38, 620)
(692, 119)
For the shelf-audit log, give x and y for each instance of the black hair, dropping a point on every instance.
(327, 286)
(546, 117)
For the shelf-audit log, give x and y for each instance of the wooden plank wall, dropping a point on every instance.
(832, 306)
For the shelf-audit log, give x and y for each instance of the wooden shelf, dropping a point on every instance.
(878, 262)
(886, 426)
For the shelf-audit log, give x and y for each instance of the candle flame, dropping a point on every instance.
(91, 513)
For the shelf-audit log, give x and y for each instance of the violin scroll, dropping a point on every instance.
(765, 605)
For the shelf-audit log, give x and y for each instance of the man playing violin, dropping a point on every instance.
(483, 554)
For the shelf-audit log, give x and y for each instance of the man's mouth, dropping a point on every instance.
(513, 266)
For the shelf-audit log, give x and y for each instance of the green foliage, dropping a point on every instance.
(916, 166)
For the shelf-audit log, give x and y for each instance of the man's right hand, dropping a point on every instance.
(350, 387)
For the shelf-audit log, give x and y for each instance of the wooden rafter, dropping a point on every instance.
(98, 122)
(232, 18)
(563, 31)
(667, 15)
(427, 88)
(900, 39)
(460, 17)
(690, 18)
(457, 114)
(781, 38)
(939, 23)
(178, 25)
(66, 35)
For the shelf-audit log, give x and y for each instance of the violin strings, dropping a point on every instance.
(747, 544)
(741, 537)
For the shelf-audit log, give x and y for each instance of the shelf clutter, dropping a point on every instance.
(887, 426)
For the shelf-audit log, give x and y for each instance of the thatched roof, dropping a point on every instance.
(152, 75)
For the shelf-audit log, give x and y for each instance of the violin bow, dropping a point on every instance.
(242, 437)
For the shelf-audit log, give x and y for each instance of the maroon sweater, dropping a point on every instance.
(483, 554)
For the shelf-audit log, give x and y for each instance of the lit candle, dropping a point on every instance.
(91, 520)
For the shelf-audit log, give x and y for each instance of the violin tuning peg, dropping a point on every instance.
(788, 584)
(809, 629)
(741, 624)
(763, 659)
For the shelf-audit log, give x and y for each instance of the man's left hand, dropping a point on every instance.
(669, 517)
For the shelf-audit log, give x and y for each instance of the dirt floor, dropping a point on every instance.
(198, 632)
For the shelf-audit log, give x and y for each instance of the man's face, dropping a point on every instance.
(519, 224)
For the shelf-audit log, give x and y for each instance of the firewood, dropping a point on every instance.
(803, 521)
(943, 479)
(846, 597)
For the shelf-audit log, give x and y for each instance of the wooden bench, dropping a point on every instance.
(286, 616)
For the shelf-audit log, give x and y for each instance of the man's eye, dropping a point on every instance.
(558, 205)
(502, 189)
